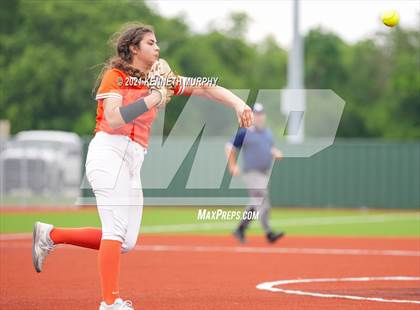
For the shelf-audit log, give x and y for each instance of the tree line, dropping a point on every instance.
(52, 52)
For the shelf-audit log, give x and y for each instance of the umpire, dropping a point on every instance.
(258, 151)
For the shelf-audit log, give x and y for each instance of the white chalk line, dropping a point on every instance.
(272, 250)
(245, 249)
(270, 286)
(314, 221)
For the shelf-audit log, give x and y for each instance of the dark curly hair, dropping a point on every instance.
(130, 34)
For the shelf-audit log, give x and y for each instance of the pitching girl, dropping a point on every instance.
(125, 113)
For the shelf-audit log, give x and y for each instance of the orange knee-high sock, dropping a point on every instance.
(109, 269)
(84, 237)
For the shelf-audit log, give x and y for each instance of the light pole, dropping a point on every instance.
(293, 99)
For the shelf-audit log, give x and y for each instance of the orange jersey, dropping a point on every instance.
(117, 84)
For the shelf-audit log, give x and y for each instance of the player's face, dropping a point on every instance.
(259, 120)
(149, 50)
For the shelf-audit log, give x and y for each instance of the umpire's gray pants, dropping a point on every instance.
(256, 183)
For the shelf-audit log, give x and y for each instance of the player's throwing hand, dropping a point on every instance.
(245, 116)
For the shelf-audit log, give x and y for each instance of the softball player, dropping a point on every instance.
(258, 152)
(125, 113)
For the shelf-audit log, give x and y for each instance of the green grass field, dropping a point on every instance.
(177, 220)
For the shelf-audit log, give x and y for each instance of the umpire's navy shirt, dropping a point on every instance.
(255, 145)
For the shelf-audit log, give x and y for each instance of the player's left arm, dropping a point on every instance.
(213, 92)
(222, 95)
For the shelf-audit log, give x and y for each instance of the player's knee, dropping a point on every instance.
(129, 244)
(114, 233)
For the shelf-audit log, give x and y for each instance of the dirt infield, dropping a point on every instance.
(201, 272)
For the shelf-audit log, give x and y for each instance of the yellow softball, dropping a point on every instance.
(390, 18)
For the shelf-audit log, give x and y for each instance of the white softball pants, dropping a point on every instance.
(113, 167)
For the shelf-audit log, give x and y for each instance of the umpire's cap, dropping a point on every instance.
(258, 108)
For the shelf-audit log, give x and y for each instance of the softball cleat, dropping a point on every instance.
(42, 245)
(118, 304)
